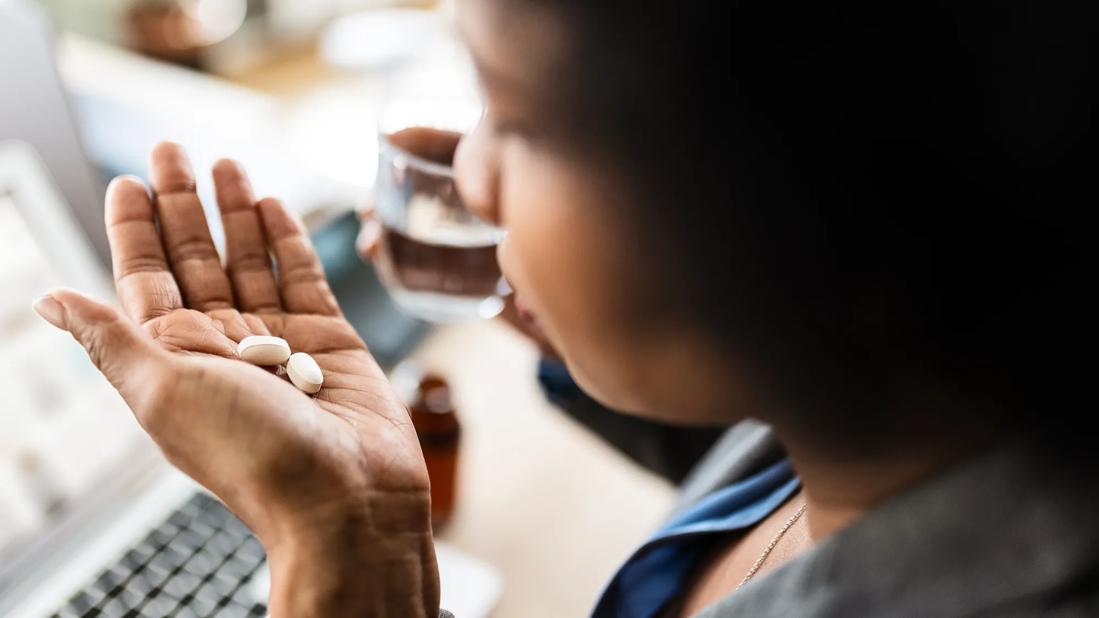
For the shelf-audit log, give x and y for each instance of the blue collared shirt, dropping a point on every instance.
(658, 570)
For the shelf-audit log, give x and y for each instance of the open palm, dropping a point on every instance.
(281, 459)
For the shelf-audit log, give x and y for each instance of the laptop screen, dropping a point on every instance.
(34, 108)
(63, 429)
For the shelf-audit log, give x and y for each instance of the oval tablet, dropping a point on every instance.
(304, 372)
(264, 350)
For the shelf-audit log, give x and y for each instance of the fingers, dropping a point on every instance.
(236, 325)
(193, 332)
(186, 236)
(145, 284)
(302, 284)
(116, 346)
(370, 235)
(247, 261)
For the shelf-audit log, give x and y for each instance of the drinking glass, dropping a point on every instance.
(436, 258)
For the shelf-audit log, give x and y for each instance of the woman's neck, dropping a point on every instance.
(842, 484)
(925, 428)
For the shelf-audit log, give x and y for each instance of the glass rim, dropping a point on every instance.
(434, 167)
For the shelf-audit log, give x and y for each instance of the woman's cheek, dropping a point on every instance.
(552, 257)
(527, 260)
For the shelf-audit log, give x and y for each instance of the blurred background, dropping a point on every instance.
(292, 89)
(289, 86)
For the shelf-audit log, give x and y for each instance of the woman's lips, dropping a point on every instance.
(522, 317)
(525, 312)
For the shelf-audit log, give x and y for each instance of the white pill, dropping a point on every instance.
(304, 372)
(264, 350)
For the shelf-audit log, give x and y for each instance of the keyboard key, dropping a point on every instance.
(232, 610)
(206, 501)
(82, 602)
(109, 579)
(190, 539)
(225, 582)
(254, 562)
(192, 507)
(186, 612)
(181, 519)
(115, 592)
(161, 536)
(181, 584)
(203, 528)
(159, 606)
(203, 563)
(156, 574)
(238, 567)
(202, 606)
(252, 548)
(136, 557)
(169, 558)
(131, 597)
(215, 516)
(223, 544)
(138, 585)
(113, 608)
(209, 593)
(237, 528)
(244, 598)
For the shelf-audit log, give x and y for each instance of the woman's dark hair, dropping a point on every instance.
(863, 198)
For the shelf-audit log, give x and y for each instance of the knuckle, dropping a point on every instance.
(305, 274)
(95, 344)
(98, 335)
(250, 262)
(133, 264)
(198, 249)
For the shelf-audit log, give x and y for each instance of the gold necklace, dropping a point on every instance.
(771, 546)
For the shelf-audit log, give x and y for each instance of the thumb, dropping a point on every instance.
(117, 347)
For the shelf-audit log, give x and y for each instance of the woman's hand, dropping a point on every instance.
(333, 485)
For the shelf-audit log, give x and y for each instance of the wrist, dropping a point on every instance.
(375, 558)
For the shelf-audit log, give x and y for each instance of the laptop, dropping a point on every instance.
(93, 521)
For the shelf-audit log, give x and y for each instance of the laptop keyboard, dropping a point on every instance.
(197, 563)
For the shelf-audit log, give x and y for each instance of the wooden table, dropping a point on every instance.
(540, 498)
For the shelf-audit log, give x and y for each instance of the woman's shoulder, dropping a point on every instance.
(1008, 533)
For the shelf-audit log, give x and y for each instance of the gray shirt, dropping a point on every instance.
(1006, 534)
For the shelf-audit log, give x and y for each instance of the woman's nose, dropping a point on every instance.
(476, 173)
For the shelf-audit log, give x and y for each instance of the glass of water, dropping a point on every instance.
(436, 258)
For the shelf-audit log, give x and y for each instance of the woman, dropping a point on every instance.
(855, 224)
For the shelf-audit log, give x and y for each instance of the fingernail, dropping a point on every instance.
(50, 310)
